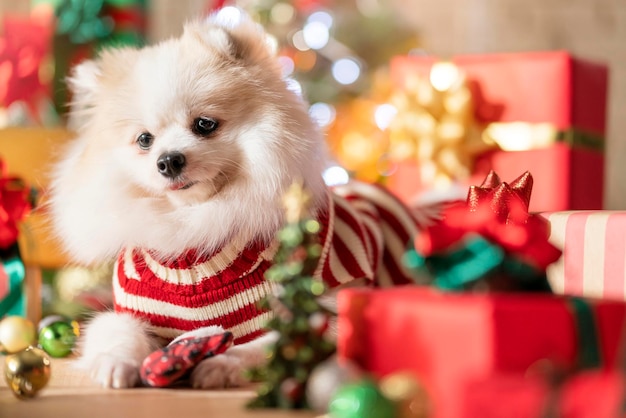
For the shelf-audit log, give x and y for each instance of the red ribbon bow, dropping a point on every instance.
(14, 206)
(497, 211)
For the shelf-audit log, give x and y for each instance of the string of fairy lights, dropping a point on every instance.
(327, 71)
(305, 47)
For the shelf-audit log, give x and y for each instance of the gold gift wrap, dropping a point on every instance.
(28, 154)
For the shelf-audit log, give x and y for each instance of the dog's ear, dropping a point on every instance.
(241, 39)
(83, 80)
(83, 84)
(91, 77)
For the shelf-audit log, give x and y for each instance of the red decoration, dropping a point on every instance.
(588, 394)
(165, 366)
(14, 206)
(23, 48)
(566, 177)
(498, 212)
(449, 340)
(508, 202)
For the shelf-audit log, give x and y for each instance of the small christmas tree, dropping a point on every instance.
(300, 320)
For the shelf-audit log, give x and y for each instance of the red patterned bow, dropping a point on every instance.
(498, 212)
(14, 206)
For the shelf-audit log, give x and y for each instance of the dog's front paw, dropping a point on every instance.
(114, 372)
(222, 371)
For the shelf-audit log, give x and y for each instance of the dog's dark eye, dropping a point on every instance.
(204, 126)
(145, 140)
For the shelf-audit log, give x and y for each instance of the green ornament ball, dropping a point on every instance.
(361, 400)
(58, 338)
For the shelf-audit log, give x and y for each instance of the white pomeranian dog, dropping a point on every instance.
(182, 155)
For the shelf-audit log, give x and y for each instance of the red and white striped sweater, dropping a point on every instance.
(365, 232)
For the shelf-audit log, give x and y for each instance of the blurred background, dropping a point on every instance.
(379, 81)
(337, 51)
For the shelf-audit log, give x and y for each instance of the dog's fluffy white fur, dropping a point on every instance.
(107, 192)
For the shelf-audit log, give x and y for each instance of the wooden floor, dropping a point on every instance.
(70, 394)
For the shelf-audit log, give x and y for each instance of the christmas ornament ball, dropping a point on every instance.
(27, 372)
(410, 397)
(361, 400)
(58, 337)
(326, 379)
(16, 333)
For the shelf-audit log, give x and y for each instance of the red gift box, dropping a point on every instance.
(449, 340)
(583, 395)
(531, 87)
(538, 87)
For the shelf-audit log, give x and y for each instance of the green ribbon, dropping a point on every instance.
(588, 340)
(13, 303)
(474, 259)
(577, 138)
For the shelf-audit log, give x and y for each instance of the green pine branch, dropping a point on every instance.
(300, 320)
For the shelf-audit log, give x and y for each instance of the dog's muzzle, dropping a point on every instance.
(171, 164)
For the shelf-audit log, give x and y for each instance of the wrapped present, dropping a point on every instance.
(594, 253)
(14, 206)
(28, 153)
(450, 339)
(535, 87)
(588, 394)
(545, 110)
(496, 314)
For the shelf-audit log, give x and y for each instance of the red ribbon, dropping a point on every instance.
(14, 206)
(498, 211)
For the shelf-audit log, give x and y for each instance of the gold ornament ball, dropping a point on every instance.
(16, 333)
(408, 394)
(27, 372)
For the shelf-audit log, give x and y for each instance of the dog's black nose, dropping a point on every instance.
(171, 164)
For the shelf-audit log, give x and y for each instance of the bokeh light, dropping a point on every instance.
(335, 176)
(346, 71)
(316, 35)
(305, 60)
(282, 13)
(287, 65)
(384, 114)
(229, 16)
(322, 17)
(322, 113)
(444, 75)
(298, 41)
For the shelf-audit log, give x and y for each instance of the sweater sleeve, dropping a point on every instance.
(366, 232)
